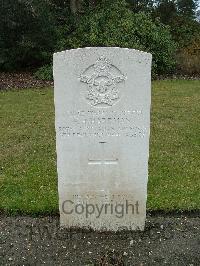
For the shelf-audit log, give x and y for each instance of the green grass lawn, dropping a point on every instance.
(28, 179)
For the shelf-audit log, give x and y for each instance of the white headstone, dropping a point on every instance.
(102, 114)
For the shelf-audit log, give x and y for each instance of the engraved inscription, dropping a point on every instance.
(102, 79)
(100, 123)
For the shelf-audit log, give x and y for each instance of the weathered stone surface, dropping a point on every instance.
(102, 108)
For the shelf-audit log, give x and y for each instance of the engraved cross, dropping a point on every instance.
(102, 160)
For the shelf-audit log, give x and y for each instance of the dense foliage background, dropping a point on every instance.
(31, 30)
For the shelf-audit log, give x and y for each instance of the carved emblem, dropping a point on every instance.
(102, 79)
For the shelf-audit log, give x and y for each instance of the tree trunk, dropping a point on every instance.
(73, 6)
(76, 5)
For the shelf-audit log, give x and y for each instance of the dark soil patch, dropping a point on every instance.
(177, 76)
(22, 80)
(25, 80)
(36, 241)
